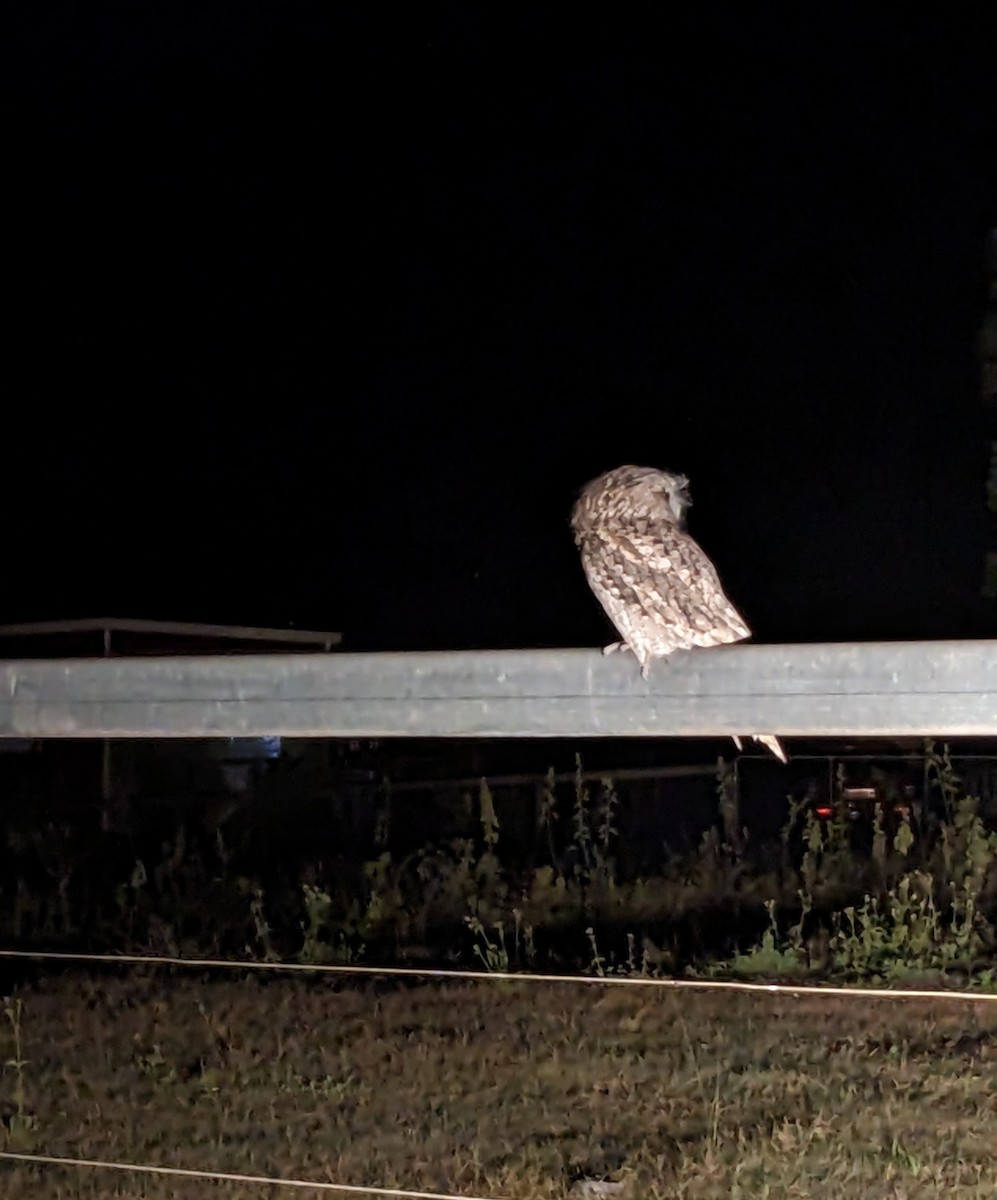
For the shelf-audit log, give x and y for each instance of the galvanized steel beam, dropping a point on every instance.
(875, 689)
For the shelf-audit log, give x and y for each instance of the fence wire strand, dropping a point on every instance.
(794, 990)
(234, 1177)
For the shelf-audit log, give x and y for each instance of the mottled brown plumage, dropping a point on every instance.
(655, 582)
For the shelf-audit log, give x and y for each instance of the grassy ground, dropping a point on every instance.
(496, 1089)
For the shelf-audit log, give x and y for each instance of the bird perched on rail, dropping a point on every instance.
(655, 582)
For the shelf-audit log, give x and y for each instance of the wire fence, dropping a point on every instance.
(793, 991)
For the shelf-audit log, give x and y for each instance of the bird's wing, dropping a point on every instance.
(684, 578)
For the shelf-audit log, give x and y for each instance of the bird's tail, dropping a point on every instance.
(768, 740)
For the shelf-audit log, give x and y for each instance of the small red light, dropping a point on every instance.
(825, 811)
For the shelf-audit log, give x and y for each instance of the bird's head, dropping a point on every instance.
(663, 495)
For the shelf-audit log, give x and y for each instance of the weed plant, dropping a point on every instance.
(915, 899)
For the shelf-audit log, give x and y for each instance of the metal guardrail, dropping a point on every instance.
(923, 689)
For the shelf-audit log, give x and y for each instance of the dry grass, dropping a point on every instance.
(498, 1089)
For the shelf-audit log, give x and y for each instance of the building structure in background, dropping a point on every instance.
(112, 773)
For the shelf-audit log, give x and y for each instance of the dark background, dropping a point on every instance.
(322, 314)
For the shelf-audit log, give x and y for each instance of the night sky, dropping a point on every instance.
(321, 314)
